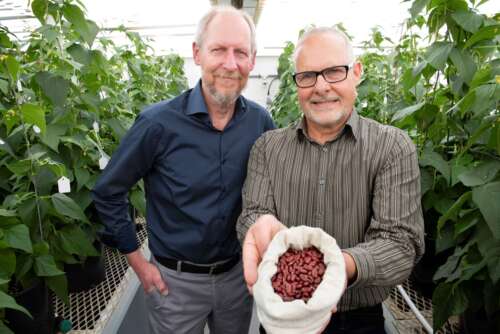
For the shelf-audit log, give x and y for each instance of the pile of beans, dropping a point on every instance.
(299, 274)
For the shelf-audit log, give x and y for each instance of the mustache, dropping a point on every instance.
(228, 75)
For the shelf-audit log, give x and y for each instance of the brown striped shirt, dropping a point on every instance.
(363, 188)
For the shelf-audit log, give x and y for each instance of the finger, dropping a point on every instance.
(162, 287)
(251, 259)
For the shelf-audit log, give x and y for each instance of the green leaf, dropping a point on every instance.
(39, 8)
(20, 168)
(7, 301)
(18, 237)
(469, 21)
(45, 266)
(4, 86)
(465, 64)
(67, 207)
(13, 67)
(79, 54)
(7, 213)
(431, 158)
(7, 263)
(75, 241)
(82, 177)
(400, 114)
(117, 127)
(447, 300)
(54, 87)
(4, 329)
(437, 54)
(485, 33)
(481, 174)
(417, 7)
(53, 134)
(4, 146)
(426, 181)
(138, 200)
(487, 198)
(33, 114)
(86, 29)
(454, 209)
(59, 284)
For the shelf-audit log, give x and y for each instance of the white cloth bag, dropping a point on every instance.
(298, 317)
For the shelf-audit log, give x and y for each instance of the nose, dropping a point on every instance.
(322, 84)
(230, 61)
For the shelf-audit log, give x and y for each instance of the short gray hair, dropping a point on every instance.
(213, 12)
(324, 30)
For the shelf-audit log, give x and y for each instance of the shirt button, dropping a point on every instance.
(322, 182)
(325, 149)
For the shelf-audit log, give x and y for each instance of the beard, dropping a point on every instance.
(225, 99)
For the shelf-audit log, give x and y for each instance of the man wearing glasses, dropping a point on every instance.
(355, 178)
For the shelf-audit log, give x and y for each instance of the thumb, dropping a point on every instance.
(251, 259)
(160, 284)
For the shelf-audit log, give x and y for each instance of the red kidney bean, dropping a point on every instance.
(299, 274)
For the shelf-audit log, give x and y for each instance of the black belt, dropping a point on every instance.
(187, 267)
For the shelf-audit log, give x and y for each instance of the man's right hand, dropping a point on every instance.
(148, 273)
(256, 241)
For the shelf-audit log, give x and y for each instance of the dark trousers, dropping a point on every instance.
(368, 320)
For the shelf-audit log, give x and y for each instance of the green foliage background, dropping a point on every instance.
(67, 97)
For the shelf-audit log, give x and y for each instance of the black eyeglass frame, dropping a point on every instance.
(322, 72)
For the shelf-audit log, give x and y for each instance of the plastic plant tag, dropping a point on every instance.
(63, 185)
(36, 129)
(95, 125)
(19, 86)
(1, 142)
(103, 161)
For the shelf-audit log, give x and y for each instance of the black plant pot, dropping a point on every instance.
(86, 275)
(36, 300)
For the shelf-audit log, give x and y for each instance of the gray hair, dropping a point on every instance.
(214, 11)
(324, 30)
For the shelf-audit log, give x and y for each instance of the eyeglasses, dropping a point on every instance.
(331, 75)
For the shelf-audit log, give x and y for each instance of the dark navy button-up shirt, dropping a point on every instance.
(193, 175)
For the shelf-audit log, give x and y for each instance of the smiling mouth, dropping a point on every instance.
(325, 102)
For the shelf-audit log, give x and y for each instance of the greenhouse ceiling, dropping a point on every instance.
(171, 24)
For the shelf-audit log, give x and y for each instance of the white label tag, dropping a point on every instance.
(95, 125)
(19, 86)
(36, 129)
(103, 162)
(63, 185)
(1, 142)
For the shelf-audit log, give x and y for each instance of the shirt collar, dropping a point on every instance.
(196, 102)
(352, 124)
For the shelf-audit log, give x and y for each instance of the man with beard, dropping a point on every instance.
(356, 179)
(191, 153)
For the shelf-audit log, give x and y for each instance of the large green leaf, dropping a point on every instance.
(33, 114)
(447, 300)
(45, 266)
(454, 209)
(7, 213)
(75, 241)
(470, 21)
(4, 146)
(417, 7)
(82, 177)
(53, 134)
(13, 67)
(59, 284)
(487, 198)
(431, 158)
(18, 236)
(67, 207)
(55, 87)
(400, 114)
(437, 54)
(481, 174)
(20, 167)
(79, 54)
(138, 200)
(7, 301)
(485, 33)
(39, 8)
(465, 64)
(7, 263)
(86, 29)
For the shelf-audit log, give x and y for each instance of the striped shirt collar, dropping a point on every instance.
(352, 126)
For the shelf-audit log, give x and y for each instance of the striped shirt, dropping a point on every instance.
(363, 188)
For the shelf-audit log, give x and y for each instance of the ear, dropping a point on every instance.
(357, 72)
(196, 53)
(252, 60)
